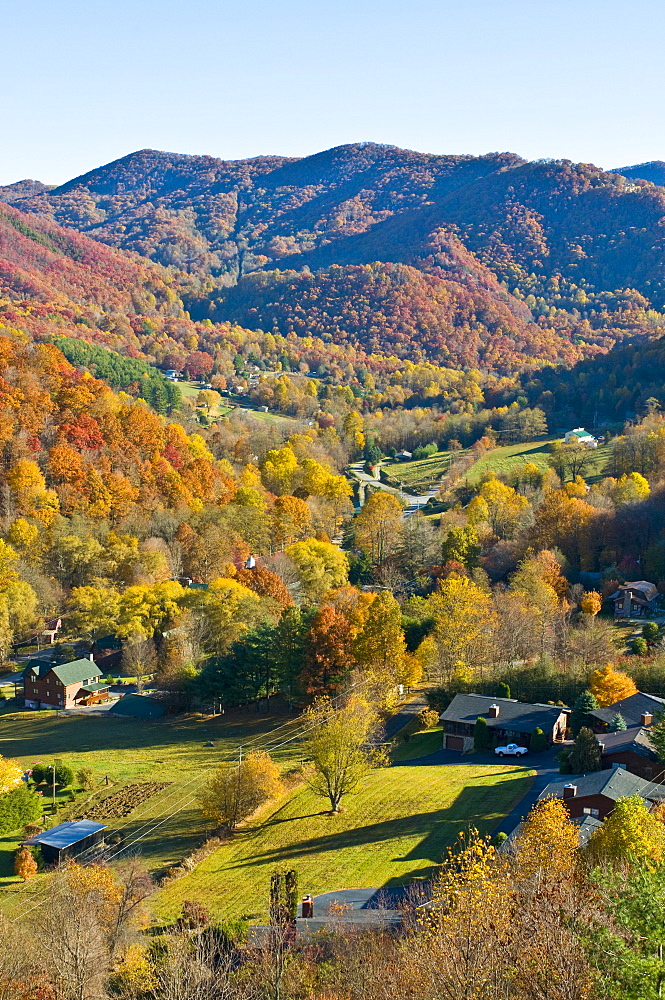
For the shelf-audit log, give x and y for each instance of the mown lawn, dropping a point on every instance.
(425, 470)
(130, 751)
(392, 832)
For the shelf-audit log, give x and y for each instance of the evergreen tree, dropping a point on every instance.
(481, 735)
(503, 690)
(581, 714)
(618, 724)
(585, 755)
(538, 740)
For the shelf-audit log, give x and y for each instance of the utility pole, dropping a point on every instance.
(53, 768)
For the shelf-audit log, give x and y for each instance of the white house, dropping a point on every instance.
(580, 436)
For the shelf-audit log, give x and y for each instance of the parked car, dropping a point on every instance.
(511, 750)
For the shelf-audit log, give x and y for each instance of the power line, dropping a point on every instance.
(186, 800)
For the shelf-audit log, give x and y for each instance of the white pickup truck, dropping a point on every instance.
(512, 750)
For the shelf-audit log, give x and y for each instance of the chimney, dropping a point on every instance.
(569, 791)
(646, 718)
(601, 746)
(493, 712)
(307, 906)
(91, 657)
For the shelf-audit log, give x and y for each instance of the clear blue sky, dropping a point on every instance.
(86, 82)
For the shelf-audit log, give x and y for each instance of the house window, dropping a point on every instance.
(588, 811)
(619, 604)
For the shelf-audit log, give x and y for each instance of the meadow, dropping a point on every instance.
(394, 831)
(172, 751)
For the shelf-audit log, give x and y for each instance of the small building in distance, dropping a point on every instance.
(632, 749)
(637, 710)
(63, 685)
(509, 720)
(404, 456)
(139, 706)
(580, 436)
(639, 599)
(67, 840)
(597, 794)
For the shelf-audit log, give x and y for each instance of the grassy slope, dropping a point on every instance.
(395, 830)
(499, 461)
(128, 751)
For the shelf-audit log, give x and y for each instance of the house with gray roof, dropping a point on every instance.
(508, 720)
(597, 794)
(637, 710)
(632, 748)
(63, 685)
(638, 599)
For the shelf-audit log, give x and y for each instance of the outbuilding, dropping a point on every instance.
(67, 840)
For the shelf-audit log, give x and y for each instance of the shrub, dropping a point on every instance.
(18, 808)
(25, 865)
(500, 839)
(194, 915)
(503, 690)
(650, 631)
(481, 735)
(639, 646)
(428, 718)
(86, 779)
(43, 774)
(538, 740)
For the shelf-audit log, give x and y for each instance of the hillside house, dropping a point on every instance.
(639, 599)
(580, 436)
(508, 720)
(632, 749)
(597, 794)
(637, 710)
(64, 685)
(67, 840)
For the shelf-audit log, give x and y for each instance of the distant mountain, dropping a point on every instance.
(543, 261)
(653, 171)
(23, 189)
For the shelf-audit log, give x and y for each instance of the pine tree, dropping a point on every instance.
(581, 713)
(538, 740)
(585, 755)
(618, 724)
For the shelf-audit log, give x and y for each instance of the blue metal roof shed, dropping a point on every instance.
(67, 840)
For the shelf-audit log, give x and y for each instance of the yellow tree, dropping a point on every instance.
(609, 685)
(11, 774)
(291, 517)
(465, 621)
(591, 603)
(378, 526)
(504, 507)
(340, 747)
(321, 567)
(94, 611)
(631, 833)
(235, 791)
(380, 642)
(548, 843)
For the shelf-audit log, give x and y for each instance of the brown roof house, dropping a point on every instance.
(509, 720)
(64, 685)
(597, 794)
(639, 599)
(637, 710)
(632, 749)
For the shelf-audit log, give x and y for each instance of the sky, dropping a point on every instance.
(87, 82)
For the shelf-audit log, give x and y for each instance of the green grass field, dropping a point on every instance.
(129, 751)
(395, 830)
(501, 460)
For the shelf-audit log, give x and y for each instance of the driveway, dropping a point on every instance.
(544, 764)
(403, 715)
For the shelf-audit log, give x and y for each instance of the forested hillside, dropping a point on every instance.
(523, 262)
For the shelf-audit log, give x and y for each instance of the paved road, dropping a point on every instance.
(544, 764)
(413, 503)
(404, 714)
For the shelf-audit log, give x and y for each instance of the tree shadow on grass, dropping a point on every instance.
(475, 805)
